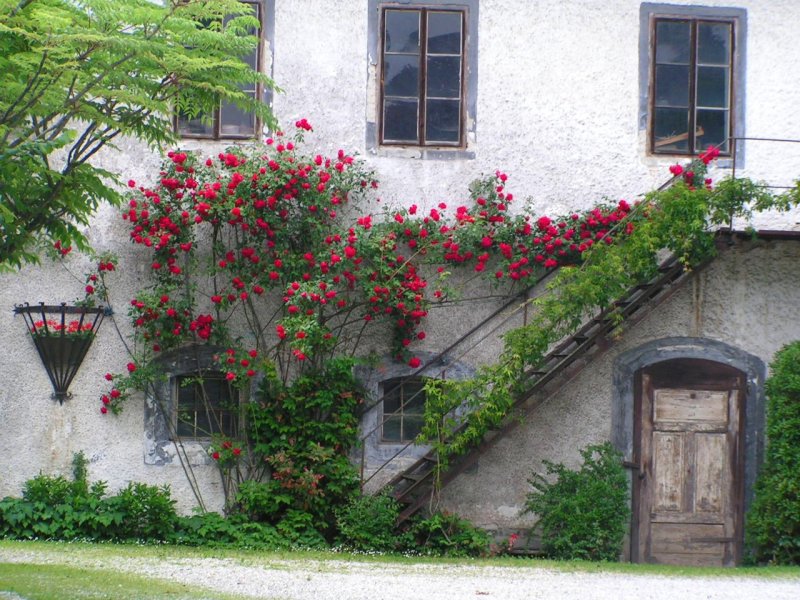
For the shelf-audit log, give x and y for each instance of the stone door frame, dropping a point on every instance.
(628, 363)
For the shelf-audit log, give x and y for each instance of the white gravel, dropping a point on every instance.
(353, 580)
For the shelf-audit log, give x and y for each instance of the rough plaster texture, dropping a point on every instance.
(728, 310)
(557, 108)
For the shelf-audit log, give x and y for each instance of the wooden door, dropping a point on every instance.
(690, 481)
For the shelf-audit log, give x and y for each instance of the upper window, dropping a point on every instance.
(422, 77)
(205, 405)
(403, 408)
(692, 85)
(228, 121)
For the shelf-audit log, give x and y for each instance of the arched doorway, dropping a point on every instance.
(688, 415)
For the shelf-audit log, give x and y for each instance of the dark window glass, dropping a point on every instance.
(402, 31)
(403, 409)
(691, 87)
(444, 33)
(228, 121)
(206, 405)
(401, 76)
(400, 120)
(441, 120)
(422, 77)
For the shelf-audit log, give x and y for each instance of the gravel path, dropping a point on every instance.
(352, 580)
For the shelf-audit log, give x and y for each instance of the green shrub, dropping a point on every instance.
(47, 489)
(368, 523)
(773, 523)
(582, 514)
(447, 534)
(298, 527)
(212, 529)
(261, 500)
(146, 512)
(55, 508)
(304, 432)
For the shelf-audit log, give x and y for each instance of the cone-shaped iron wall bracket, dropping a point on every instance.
(62, 335)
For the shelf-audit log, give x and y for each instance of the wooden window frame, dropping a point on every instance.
(421, 97)
(693, 148)
(389, 387)
(216, 133)
(200, 379)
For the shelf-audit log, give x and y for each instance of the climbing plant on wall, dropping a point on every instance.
(282, 258)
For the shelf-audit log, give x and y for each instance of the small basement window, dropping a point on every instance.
(205, 405)
(403, 409)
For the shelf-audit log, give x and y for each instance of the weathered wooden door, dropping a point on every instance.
(689, 493)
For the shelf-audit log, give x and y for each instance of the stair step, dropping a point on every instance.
(416, 476)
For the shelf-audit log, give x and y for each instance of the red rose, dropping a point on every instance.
(414, 362)
(215, 456)
(131, 367)
(237, 451)
(676, 170)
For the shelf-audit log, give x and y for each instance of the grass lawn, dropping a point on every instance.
(61, 582)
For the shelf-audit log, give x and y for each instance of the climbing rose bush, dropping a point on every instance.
(295, 246)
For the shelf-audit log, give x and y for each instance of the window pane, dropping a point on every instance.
(206, 408)
(401, 75)
(412, 425)
(400, 120)
(391, 400)
(714, 124)
(236, 122)
(444, 77)
(391, 429)
(203, 423)
(186, 425)
(413, 398)
(672, 85)
(714, 43)
(444, 33)
(712, 87)
(443, 121)
(672, 42)
(671, 129)
(196, 126)
(402, 31)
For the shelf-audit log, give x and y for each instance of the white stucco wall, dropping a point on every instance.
(558, 98)
(747, 298)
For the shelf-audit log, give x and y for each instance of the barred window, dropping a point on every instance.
(205, 405)
(403, 408)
